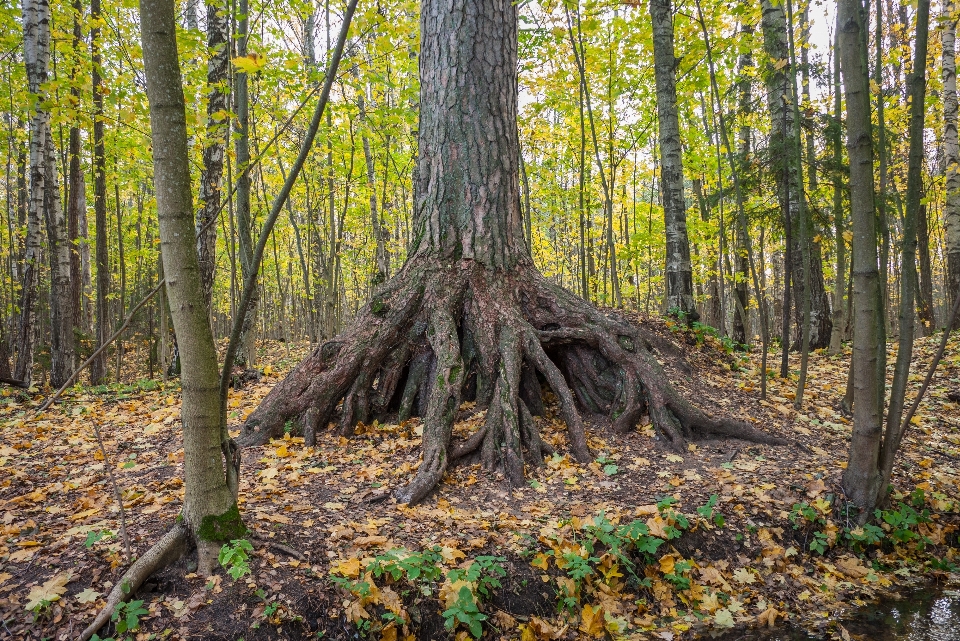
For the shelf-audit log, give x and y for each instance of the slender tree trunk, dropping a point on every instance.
(742, 260)
(218, 124)
(36, 48)
(679, 274)
(951, 147)
(209, 509)
(908, 278)
(248, 352)
(76, 199)
(836, 134)
(381, 255)
(579, 55)
(782, 105)
(925, 289)
(98, 369)
(883, 162)
(861, 479)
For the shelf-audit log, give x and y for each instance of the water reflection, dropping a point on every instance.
(926, 615)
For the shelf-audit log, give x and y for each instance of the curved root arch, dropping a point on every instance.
(441, 335)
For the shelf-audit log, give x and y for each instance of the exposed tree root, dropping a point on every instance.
(167, 550)
(440, 334)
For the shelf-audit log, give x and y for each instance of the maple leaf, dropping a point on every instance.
(592, 621)
(89, 595)
(49, 592)
(723, 619)
(743, 575)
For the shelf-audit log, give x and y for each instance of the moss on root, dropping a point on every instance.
(224, 527)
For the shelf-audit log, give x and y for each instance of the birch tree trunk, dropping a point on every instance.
(781, 101)
(45, 201)
(36, 50)
(951, 210)
(679, 274)
(218, 125)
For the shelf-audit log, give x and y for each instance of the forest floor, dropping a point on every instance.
(616, 549)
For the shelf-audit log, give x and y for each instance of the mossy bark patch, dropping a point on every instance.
(224, 527)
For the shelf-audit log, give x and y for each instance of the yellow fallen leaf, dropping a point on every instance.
(49, 592)
(591, 620)
(348, 568)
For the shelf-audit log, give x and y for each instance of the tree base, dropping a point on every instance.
(440, 334)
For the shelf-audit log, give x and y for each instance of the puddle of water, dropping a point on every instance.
(925, 615)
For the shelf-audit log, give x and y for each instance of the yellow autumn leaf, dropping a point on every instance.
(48, 592)
(348, 568)
(591, 621)
(251, 63)
(667, 564)
(541, 561)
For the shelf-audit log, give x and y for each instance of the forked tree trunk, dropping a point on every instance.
(210, 515)
(679, 268)
(468, 317)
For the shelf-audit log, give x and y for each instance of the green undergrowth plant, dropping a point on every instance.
(234, 556)
(599, 555)
(897, 527)
(382, 588)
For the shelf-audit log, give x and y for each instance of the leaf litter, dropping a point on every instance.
(642, 543)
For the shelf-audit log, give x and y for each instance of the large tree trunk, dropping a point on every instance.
(218, 123)
(861, 479)
(780, 104)
(951, 147)
(468, 317)
(679, 269)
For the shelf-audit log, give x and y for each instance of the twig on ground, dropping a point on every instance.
(116, 492)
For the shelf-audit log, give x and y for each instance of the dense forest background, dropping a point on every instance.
(590, 182)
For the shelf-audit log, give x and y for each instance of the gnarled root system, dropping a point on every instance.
(441, 334)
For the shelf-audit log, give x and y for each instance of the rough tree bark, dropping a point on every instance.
(248, 352)
(36, 57)
(215, 148)
(951, 147)
(780, 103)
(469, 317)
(679, 269)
